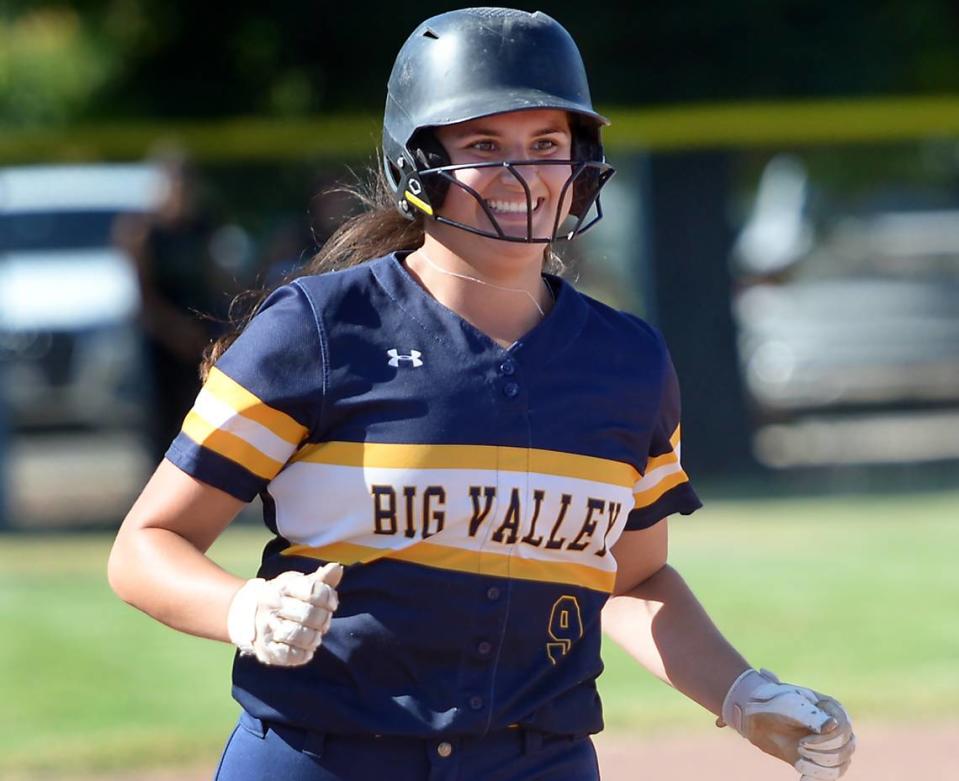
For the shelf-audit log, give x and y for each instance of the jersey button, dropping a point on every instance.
(507, 367)
(484, 648)
(444, 749)
(511, 390)
(492, 593)
(476, 703)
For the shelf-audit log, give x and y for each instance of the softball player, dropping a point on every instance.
(462, 460)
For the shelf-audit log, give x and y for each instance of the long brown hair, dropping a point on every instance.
(377, 230)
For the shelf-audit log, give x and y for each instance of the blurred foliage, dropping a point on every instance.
(51, 67)
(97, 59)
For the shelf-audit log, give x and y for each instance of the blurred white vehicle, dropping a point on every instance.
(68, 297)
(849, 324)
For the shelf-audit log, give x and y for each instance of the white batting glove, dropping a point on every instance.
(800, 726)
(282, 621)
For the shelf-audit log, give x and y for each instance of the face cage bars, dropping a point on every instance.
(446, 172)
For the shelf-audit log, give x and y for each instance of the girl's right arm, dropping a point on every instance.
(264, 394)
(158, 562)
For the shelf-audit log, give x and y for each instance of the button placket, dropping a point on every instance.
(477, 681)
(507, 370)
(481, 652)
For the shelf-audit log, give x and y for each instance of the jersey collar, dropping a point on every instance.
(546, 340)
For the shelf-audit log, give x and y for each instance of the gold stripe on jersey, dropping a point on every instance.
(244, 403)
(657, 461)
(230, 446)
(672, 457)
(487, 457)
(671, 474)
(463, 560)
(650, 495)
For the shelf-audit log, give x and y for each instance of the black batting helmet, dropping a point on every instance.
(472, 63)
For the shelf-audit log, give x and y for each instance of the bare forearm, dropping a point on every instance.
(662, 624)
(158, 562)
(165, 576)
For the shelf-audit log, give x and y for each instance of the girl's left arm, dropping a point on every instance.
(655, 616)
(657, 619)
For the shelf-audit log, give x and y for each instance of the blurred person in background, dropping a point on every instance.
(4, 449)
(182, 295)
(286, 251)
(294, 239)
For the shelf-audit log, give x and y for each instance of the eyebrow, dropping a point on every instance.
(485, 131)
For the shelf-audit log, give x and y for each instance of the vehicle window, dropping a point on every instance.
(55, 230)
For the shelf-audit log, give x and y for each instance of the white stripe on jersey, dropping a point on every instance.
(222, 416)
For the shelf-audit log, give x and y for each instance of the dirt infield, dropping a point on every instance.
(884, 754)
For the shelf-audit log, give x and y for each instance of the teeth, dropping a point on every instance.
(511, 207)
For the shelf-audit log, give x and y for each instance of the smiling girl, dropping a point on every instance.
(462, 459)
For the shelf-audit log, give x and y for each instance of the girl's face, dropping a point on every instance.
(535, 135)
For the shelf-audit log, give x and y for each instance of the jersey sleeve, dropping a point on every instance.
(259, 402)
(663, 488)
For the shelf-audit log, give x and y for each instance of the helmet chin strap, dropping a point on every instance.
(449, 273)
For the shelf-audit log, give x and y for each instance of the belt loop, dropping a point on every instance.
(314, 744)
(532, 740)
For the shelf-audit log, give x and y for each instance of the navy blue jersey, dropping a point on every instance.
(473, 492)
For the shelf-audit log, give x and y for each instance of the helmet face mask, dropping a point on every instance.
(445, 75)
(439, 179)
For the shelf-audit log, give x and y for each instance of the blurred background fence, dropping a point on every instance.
(785, 210)
(801, 258)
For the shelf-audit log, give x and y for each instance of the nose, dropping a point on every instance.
(510, 175)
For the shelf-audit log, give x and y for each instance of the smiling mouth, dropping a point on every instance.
(512, 207)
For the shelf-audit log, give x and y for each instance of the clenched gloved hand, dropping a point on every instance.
(810, 731)
(282, 621)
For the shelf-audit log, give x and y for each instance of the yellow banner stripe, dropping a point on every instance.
(504, 459)
(230, 446)
(650, 495)
(743, 124)
(474, 562)
(234, 395)
(674, 439)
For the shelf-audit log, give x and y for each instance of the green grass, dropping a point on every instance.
(856, 597)
(96, 684)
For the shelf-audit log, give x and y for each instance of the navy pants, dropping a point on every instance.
(257, 751)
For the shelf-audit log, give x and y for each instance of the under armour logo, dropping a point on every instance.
(413, 357)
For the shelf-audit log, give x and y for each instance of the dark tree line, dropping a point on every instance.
(199, 59)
